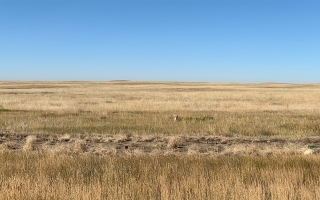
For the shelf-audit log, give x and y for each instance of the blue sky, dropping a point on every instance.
(161, 40)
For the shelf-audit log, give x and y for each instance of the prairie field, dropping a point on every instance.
(120, 140)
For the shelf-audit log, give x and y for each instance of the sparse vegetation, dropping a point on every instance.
(119, 140)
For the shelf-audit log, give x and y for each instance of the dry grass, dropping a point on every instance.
(119, 140)
(148, 108)
(176, 141)
(106, 97)
(162, 145)
(80, 146)
(40, 175)
(30, 143)
(264, 123)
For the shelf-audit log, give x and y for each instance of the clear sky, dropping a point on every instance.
(161, 40)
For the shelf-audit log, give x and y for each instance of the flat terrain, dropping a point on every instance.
(119, 140)
(137, 117)
(162, 145)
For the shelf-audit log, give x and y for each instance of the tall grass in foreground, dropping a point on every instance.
(40, 175)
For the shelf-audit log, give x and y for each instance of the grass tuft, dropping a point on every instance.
(30, 143)
(175, 142)
(80, 146)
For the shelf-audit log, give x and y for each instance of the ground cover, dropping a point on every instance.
(119, 140)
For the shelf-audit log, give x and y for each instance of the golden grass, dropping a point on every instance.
(148, 108)
(119, 140)
(30, 143)
(290, 123)
(105, 97)
(176, 141)
(41, 175)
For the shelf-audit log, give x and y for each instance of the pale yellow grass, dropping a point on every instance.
(119, 140)
(30, 143)
(148, 108)
(104, 97)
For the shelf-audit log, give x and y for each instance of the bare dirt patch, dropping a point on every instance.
(161, 145)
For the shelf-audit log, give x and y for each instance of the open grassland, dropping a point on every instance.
(119, 140)
(40, 175)
(139, 108)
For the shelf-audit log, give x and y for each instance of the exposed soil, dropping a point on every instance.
(161, 145)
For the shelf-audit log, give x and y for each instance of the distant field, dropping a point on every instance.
(119, 140)
(139, 108)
